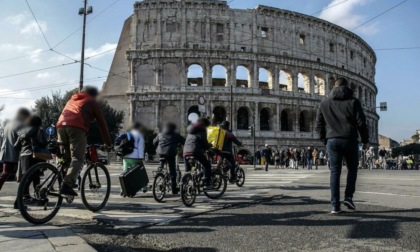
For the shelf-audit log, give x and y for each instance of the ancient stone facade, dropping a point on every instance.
(164, 41)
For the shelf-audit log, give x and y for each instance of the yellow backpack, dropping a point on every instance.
(216, 136)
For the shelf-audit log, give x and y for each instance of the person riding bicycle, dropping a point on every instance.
(382, 157)
(196, 145)
(166, 144)
(72, 127)
(227, 150)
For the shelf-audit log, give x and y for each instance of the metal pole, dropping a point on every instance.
(231, 107)
(82, 57)
(253, 135)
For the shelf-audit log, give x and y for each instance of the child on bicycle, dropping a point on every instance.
(227, 150)
(196, 145)
(166, 144)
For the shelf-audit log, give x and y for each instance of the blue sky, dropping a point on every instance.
(396, 75)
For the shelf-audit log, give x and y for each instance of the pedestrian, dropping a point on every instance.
(296, 157)
(267, 153)
(30, 138)
(304, 161)
(277, 159)
(258, 157)
(309, 157)
(285, 159)
(315, 155)
(9, 154)
(291, 159)
(321, 158)
(340, 121)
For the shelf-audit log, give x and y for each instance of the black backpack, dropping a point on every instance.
(124, 144)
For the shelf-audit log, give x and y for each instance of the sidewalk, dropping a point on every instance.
(18, 235)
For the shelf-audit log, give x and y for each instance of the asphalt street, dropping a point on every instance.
(279, 210)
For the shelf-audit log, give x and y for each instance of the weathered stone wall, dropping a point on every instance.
(301, 54)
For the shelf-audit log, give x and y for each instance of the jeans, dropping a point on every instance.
(202, 159)
(309, 162)
(339, 149)
(267, 163)
(171, 160)
(74, 144)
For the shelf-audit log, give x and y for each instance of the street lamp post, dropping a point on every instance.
(231, 106)
(83, 12)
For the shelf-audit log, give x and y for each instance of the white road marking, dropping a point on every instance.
(391, 194)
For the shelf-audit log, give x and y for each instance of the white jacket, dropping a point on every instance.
(138, 152)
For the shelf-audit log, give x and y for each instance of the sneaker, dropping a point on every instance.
(348, 202)
(336, 210)
(67, 190)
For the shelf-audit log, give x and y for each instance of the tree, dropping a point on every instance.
(50, 108)
(406, 150)
(415, 138)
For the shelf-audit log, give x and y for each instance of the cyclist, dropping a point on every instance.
(382, 158)
(227, 150)
(72, 126)
(166, 144)
(195, 145)
(370, 157)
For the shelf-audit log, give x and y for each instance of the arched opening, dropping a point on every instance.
(219, 115)
(286, 120)
(170, 114)
(305, 121)
(304, 83)
(242, 119)
(195, 75)
(286, 81)
(193, 114)
(219, 76)
(145, 75)
(319, 86)
(265, 119)
(242, 77)
(265, 79)
(171, 76)
(366, 98)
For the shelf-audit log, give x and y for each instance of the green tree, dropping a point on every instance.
(49, 108)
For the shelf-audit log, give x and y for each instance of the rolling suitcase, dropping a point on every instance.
(133, 180)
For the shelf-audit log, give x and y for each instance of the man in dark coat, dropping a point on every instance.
(9, 154)
(166, 144)
(340, 121)
(195, 145)
(267, 153)
(309, 158)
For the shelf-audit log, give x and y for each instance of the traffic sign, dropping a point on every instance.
(383, 106)
(202, 108)
(201, 100)
(50, 131)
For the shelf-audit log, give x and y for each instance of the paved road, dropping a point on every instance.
(278, 210)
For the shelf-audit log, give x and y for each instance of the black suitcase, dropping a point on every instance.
(133, 180)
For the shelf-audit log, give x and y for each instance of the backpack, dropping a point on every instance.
(124, 144)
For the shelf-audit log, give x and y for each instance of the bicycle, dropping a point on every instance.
(224, 166)
(192, 183)
(162, 182)
(38, 199)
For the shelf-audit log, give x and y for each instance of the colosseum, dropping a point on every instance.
(266, 67)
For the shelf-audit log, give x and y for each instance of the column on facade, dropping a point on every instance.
(183, 110)
(253, 72)
(207, 74)
(132, 110)
(157, 115)
(230, 75)
(276, 78)
(277, 119)
(158, 74)
(159, 29)
(327, 83)
(297, 116)
(183, 75)
(257, 116)
(312, 83)
(295, 80)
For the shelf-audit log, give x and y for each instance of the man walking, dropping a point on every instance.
(308, 157)
(340, 118)
(267, 153)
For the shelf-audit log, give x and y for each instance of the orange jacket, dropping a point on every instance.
(80, 111)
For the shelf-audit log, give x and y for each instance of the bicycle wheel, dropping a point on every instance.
(188, 190)
(240, 175)
(96, 187)
(37, 198)
(219, 185)
(159, 187)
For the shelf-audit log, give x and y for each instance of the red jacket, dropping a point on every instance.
(80, 111)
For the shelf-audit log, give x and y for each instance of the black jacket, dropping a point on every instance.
(196, 141)
(230, 139)
(341, 116)
(167, 142)
(30, 138)
(308, 154)
(267, 153)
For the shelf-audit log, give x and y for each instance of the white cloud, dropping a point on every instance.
(345, 15)
(16, 19)
(13, 102)
(35, 55)
(101, 51)
(45, 75)
(13, 48)
(32, 28)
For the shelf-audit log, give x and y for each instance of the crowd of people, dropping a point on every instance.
(291, 158)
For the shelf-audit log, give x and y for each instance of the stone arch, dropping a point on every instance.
(319, 84)
(219, 115)
(146, 75)
(286, 120)
(193, 114)
(171, 74)
(243, 78)
(305, 121)
(219, 76)
(304, 83)
(170, 114)
(265, 79)
(266, 119)
(195, 75)
(286, 80)
(243, 118)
